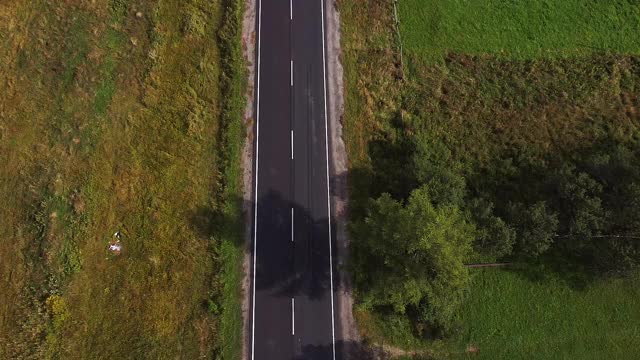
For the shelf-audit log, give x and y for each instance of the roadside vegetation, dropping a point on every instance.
(507, 134)
(120, 116)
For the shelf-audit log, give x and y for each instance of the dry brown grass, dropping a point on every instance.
(370, 62)
(110, 121)
(483, 107)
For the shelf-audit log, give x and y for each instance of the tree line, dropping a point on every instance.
(429, 214)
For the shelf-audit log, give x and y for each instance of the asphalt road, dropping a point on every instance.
(292, 314)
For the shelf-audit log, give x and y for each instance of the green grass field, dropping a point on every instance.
(519, 29)
(123, 116)
(507, 316)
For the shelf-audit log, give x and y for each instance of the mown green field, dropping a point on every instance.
(519, 29)
(508, 316)
(122, 116)
(499, 106)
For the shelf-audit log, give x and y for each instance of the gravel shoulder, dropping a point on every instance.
(249, 52)
(347, 335)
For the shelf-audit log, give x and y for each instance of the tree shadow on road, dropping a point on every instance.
(345, 350)
(287, 267)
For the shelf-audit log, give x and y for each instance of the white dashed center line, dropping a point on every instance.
(293, 316)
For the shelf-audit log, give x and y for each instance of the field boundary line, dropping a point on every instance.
(399, 38)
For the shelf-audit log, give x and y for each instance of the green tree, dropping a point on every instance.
(433, 165)
(615, 245)
(536, 227)
(623, 250)
(579, 196)
(412, 256)
(494, 238)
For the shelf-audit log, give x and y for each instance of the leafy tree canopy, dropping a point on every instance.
(411, 256)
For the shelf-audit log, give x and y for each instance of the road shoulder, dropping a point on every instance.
(249, 52)
(347, 335)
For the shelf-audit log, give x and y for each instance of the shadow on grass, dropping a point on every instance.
(556, 268)
(390, 171)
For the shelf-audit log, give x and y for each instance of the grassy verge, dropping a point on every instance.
(120, 116)
(232, 247)
(372, 92)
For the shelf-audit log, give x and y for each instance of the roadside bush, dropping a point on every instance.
(409, 258)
